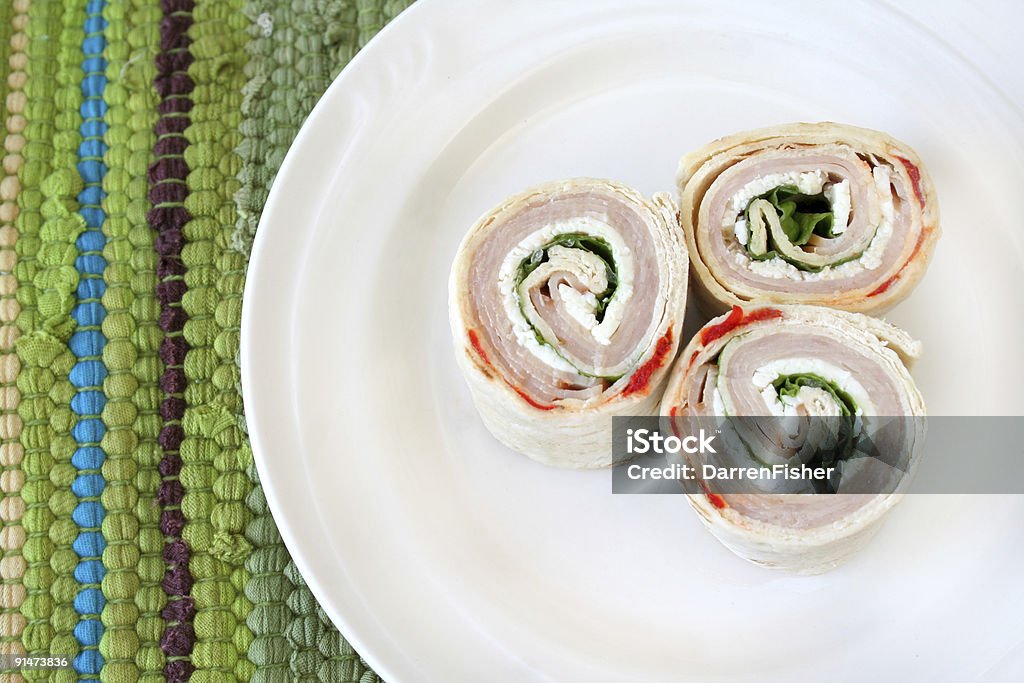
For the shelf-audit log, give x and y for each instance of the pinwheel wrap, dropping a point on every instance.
(807, 213)
(566, 305)
(814, 365)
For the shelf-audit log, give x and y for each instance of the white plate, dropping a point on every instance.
(443, 556)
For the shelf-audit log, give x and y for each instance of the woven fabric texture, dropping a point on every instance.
(140, 141)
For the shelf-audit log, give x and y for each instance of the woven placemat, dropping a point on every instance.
(141, 137)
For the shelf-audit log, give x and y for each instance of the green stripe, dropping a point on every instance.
(135, 567)
(268, 590)
(138, 75)
(214, 452)
(47, 278)
(36, 491)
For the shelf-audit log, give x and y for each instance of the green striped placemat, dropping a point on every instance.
(141, 138)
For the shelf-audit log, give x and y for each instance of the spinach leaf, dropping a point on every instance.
(573, 240)
(800, 216)
(789, 386)
(844, 425)
(577, 240)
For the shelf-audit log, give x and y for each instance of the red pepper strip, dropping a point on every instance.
(642, 377)
(915, 178)
(713, 498)
(525, 397)
(736, 319)
(475, 341)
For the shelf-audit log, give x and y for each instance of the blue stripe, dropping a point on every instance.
(87, 345)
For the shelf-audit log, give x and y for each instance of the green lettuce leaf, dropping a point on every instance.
(574, 240)
(789, 386)
(846, 434)
(800, 215)
(577, 240)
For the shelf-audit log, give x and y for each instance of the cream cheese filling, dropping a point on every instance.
(807, 182)
(581, 306)
(808, 398)
(838, 195)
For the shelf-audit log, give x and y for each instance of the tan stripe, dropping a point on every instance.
(12, 477)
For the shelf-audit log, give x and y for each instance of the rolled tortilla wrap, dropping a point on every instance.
(809, 213)
(801, 361)
(566, 305)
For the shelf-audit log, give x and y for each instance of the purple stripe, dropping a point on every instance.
(167, 192)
